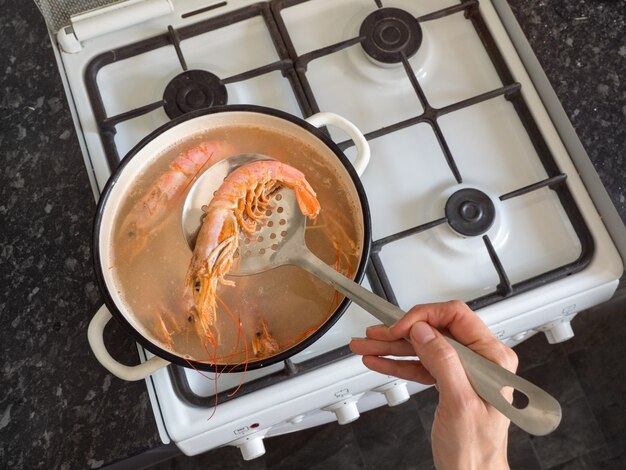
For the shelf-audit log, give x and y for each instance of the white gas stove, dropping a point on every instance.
(473, 182)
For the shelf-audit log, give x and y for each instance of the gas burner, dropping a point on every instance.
(389, 32)
(470, 212)
(191, 90)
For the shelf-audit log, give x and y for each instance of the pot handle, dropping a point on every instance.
(96, 341)
(362, 147)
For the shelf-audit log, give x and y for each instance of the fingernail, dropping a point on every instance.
(373, 327)
(422, 333)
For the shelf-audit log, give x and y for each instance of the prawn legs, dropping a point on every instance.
(239, 204)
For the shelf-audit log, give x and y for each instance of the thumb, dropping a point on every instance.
(442, 361)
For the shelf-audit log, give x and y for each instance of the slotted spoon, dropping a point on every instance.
(280, 241)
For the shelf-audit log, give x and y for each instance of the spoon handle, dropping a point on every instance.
(540, 416)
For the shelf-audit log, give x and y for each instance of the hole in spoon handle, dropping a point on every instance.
(539, 417)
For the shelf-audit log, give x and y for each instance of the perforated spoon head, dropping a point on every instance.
(278, 239)
(203, 189)
(279, 236)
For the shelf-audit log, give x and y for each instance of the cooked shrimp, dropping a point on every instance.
(153, 207)
(263, 343)
(164, 328)
(239, 203)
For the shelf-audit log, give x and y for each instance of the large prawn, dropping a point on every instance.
(239, 204)
(157, 202)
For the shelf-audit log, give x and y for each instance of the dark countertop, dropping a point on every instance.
(58, 406)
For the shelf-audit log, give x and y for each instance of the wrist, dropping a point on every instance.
(462, 461)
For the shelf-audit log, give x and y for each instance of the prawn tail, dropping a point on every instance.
(307, 199)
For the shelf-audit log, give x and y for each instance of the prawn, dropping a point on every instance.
(164, 328)
(239, 203)
(157, 202)
(263, 343)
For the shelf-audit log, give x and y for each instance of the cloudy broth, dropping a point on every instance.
(291, 302)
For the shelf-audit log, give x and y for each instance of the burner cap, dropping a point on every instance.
(191, 90)
(389, 31)
(470, 212)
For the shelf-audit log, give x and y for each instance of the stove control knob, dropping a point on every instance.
(559, 332)
(345, 410)
(395, 392)
(252, 448)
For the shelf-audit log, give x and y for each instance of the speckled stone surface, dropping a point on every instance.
(58, 407)
(581, 45)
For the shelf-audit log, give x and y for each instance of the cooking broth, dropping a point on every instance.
(150, 277)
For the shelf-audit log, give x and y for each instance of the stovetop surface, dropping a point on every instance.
(446, 121)
(450, 117)
(496, 206)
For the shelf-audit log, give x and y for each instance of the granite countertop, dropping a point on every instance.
(58, 406)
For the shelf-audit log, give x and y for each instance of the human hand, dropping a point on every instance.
(467, 432)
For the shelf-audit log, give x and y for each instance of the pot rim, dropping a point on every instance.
(252, 364)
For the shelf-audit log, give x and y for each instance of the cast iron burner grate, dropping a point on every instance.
(511, 91)
(389, 34)
(294, 67)
(193, 90)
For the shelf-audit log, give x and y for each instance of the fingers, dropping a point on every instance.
(380, 332)
(443, 364)
(380, 343)
(407, 370)
(454, 316)
(498, 352)
(371, 347)
(463, 324)
(438, 360)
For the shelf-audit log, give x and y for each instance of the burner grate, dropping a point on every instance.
(294, 67)
(511, 91)
(206, 83)
(183, 389)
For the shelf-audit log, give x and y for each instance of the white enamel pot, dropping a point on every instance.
(167, 137)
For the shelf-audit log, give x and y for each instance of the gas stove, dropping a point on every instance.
(473, 182)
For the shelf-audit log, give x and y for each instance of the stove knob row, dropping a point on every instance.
(345, 410)
(395, 392)
(251, 446)
(559, 330)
